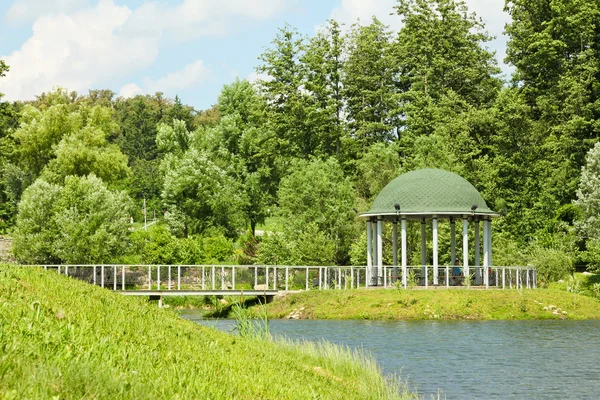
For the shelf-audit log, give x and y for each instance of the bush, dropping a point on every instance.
(79, 222)
(158, 246)
(551, 264)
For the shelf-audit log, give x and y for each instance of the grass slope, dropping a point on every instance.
(61, 338)
(436, 304)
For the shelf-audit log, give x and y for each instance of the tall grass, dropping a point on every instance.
(62, 338)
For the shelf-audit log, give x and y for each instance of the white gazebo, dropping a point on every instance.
(429, 195)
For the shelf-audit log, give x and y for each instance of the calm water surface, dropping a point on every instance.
(468, 360)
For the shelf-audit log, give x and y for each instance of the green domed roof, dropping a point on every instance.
(429, 191)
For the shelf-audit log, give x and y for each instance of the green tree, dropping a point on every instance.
(368, 84)
(378, 167)
(286, 99)
(323, 61)
(3, 70)
(316, 194)
(80, 222)
(87, 151)
(198, 195)
(40, 131)
(244, 145)
(588, 202)
(555, 48)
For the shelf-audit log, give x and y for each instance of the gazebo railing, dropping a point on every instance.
(282, 277)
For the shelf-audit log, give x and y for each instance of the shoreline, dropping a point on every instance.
(392, 304)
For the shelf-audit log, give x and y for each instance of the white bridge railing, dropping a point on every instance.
(278, 277)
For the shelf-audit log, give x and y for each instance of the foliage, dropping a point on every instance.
(316, 198)
(588, 195)
(81, 222)
(551, 264)
(157, 245)
(363, 104)
(198, 195)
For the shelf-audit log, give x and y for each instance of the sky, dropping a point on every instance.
(189, 48)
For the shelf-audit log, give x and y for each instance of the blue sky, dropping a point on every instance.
(185, 47)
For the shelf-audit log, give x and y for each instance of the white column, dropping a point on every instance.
(452, 242)
(486, 251)
(379, 251)
(477, 265)
(404, 258)
(435, 250)
(490, 241)
(466, 247)
(423, 246)
(395, 249)
(369, 250)
(373, 276)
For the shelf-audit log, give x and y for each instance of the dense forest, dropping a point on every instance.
(334, 118)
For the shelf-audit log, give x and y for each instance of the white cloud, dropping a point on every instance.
(92, 46)
(191, 75)
(130, 90)
(28, 10)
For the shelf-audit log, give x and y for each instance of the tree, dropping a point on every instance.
(316, 194)
(368, 84)
(441, 48)
(588, 196)
(555, 47)
(198, 195)
(285, 96)
(3, 70)
(87, 151)
(323, 61)
(81, 222)
(244, 146)
(378, 167)
(41, 130)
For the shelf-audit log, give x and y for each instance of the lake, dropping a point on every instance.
(467, 360)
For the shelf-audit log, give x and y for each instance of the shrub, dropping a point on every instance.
(81, 221)
(551, 264)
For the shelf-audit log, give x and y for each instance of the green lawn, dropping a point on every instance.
(65, 339)
(444, 304)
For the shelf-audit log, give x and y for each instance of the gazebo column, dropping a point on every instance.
(379, 251)
(404, 255)
(452, 242)
(369, 252)
(486, 252)
(423, 246)
(466, 249)
(435, 250)
(395, 249)
(490, 241)
(477, 264)
(373, 280)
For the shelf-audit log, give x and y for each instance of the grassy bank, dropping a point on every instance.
(61, 338)
(436, 304)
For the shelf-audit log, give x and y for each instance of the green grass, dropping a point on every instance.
(584, 283)
(65, 339)
(459, 304)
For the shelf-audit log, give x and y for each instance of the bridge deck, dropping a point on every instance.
(200, 292)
